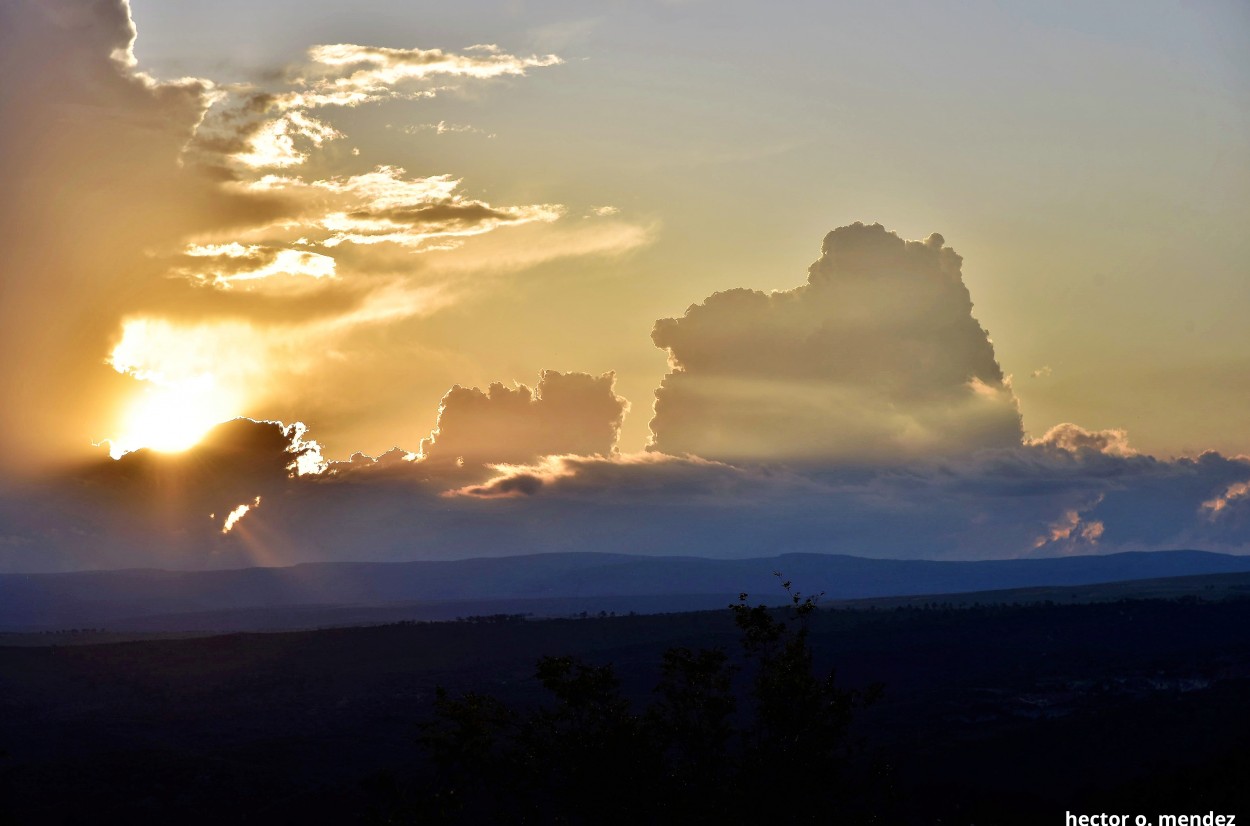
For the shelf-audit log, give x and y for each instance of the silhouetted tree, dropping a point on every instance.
(694, 754)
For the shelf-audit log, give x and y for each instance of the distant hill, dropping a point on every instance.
(159, 600)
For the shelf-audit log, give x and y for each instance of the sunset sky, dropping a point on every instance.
(948, 280)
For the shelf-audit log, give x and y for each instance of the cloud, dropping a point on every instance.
(386, 206)
(255, 266)
(1003, 502)
(1074, 438)
(616, 477)
(170, 229)
(238, 513)
(152, 508)
(257, 128)
(1071, 529)
(766, 430)
(346, 74)
(205, 369)
(536, 243)
(89, 152)
(566, 413)
(1215, 506)
(168, 510)
(390, 209)
(445, 128)
(877, 357)
(273, 143)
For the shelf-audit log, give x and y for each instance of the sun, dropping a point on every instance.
(171, 418)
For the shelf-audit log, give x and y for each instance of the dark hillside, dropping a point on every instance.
(334, 593)
(991, 713)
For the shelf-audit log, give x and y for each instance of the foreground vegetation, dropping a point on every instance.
(690, 755)
(991, 714)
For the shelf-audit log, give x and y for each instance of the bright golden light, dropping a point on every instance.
(238, 513)
(172, 418)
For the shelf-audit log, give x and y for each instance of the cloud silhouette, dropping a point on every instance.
(877, 357)
(1001, 502)
(169, 510)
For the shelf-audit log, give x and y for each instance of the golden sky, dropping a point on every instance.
(605, 218)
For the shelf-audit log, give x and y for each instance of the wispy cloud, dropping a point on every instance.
(1217, 505)
(1074, 439)
(251, 128)
(411, 212)
(273, 144)
(233, 265)
(372, 67)
(442, 127)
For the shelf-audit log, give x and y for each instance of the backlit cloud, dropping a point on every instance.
(173, 231)
(1232, 494)
(878, 356)
(386, 206)
(258, 128)
(183, 253)
(233, 265)
(345, 74)
(390, 209)
(238, 513)
(167, 510)
(635, 477)
(1074, 438)
(201, 372)
(565, 413)
(273, 144)
(89, 151)
(1071, 530)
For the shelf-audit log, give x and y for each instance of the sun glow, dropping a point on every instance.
(172, 418)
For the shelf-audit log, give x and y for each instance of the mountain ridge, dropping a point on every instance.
(98, 598)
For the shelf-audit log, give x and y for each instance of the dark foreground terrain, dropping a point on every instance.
(1008, 714)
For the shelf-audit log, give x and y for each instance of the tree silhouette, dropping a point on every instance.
(708, 746)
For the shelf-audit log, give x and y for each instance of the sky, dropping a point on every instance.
(292, 281)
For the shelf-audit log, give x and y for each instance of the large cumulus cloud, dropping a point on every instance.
(877, 356)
